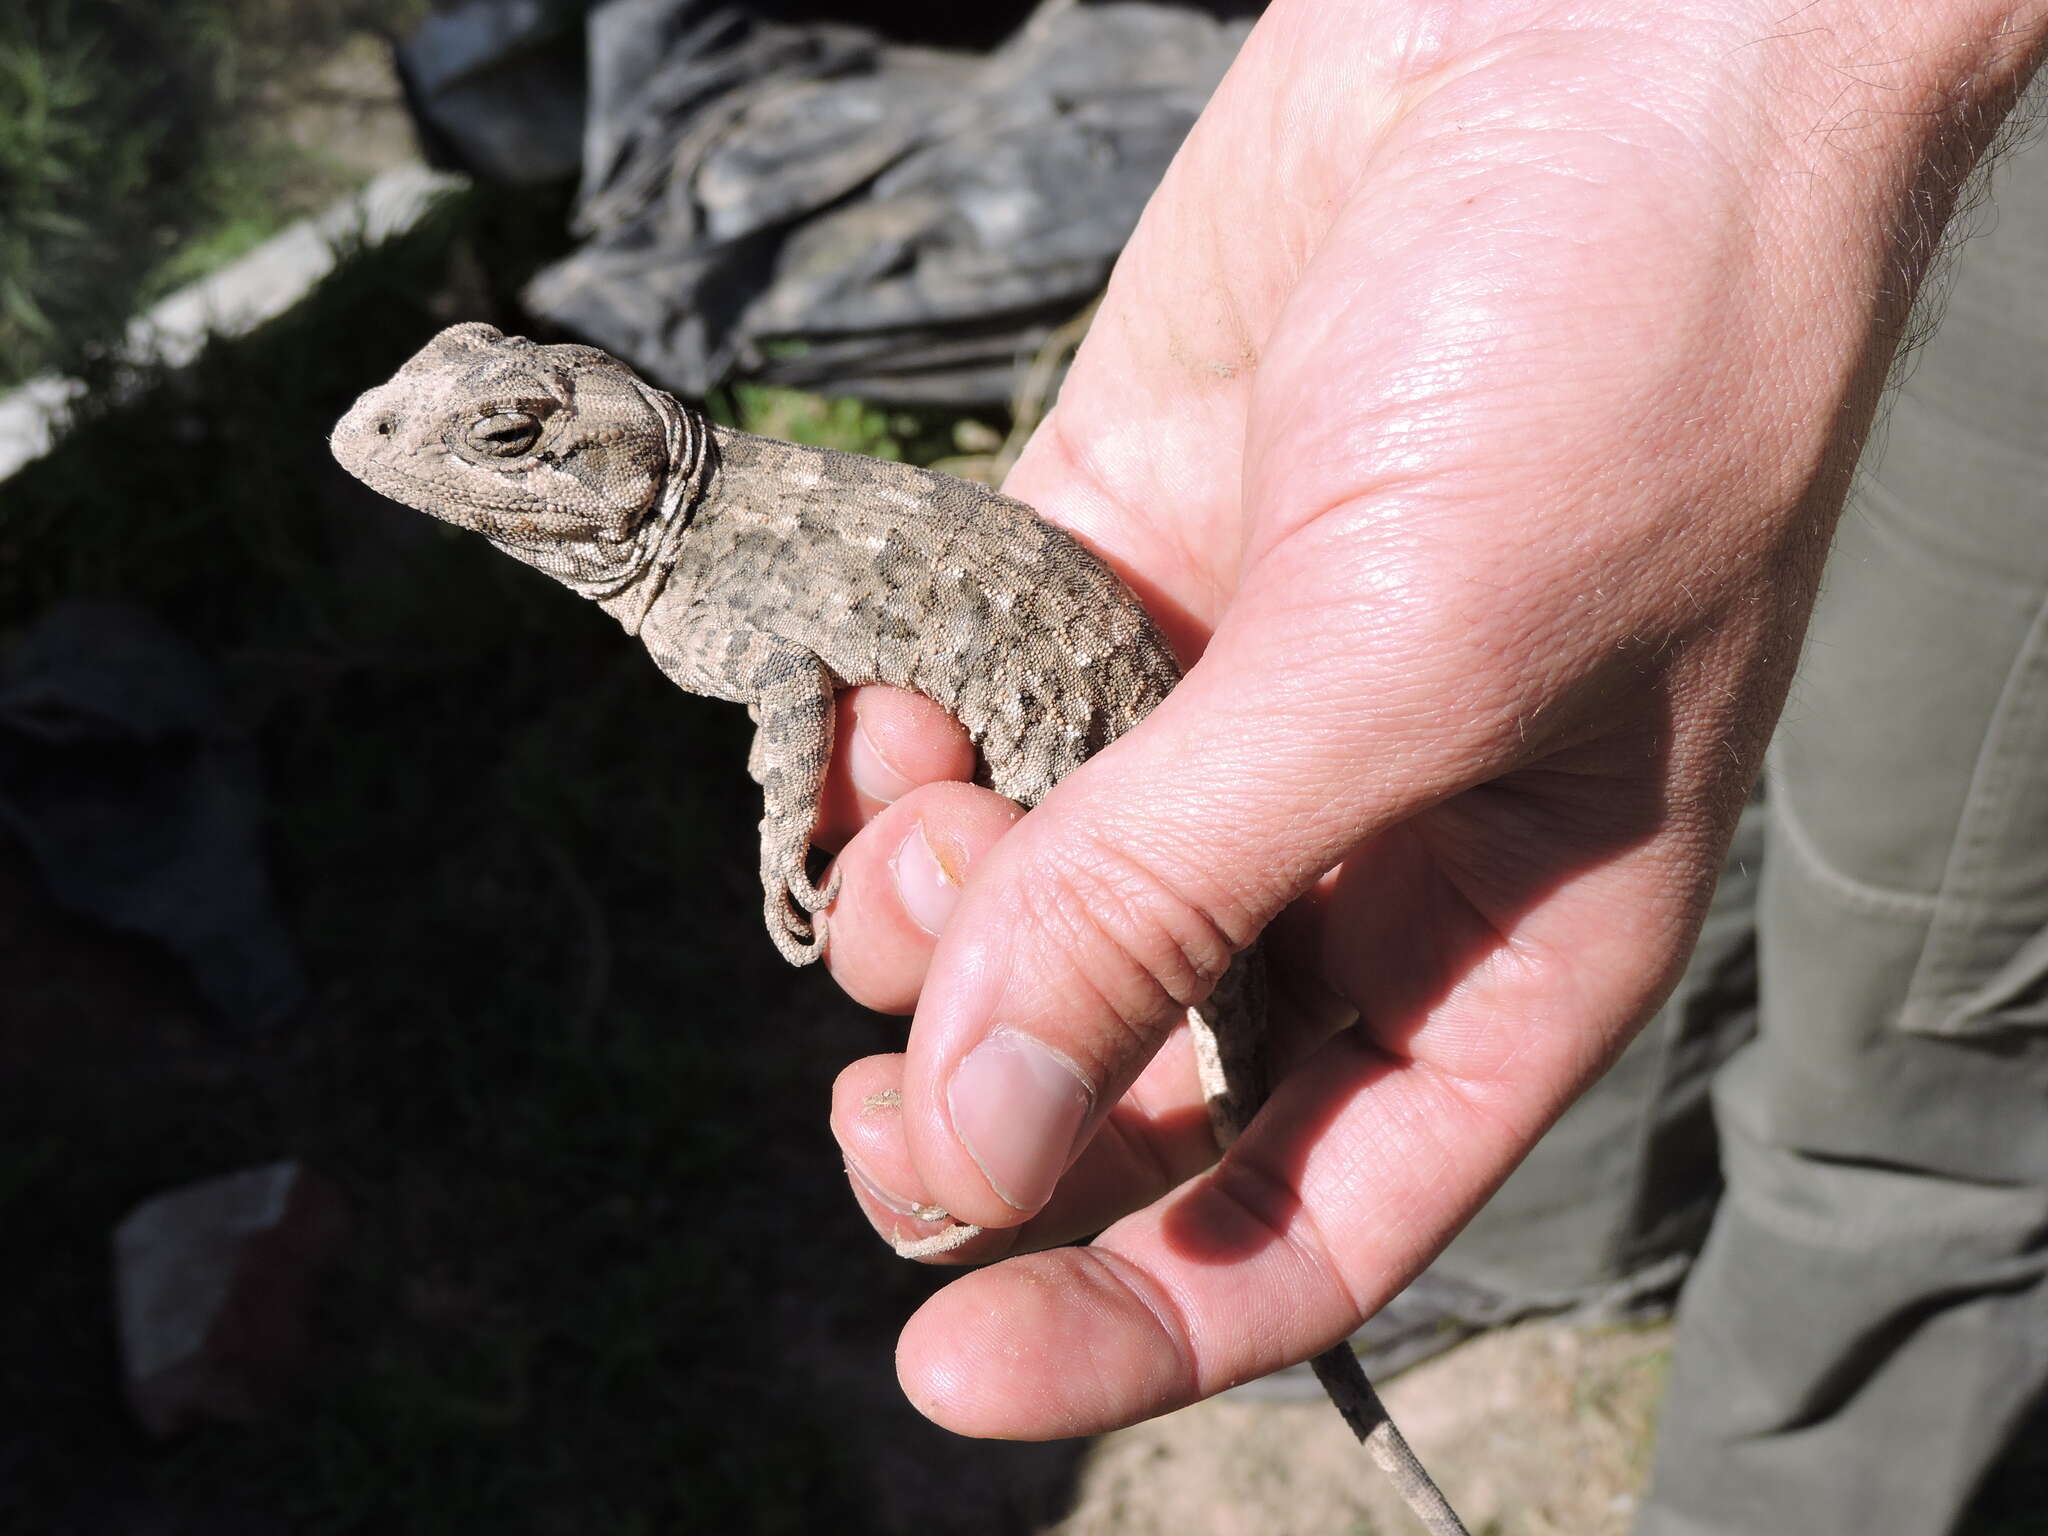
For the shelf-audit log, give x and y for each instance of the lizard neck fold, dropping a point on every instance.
(644, 566)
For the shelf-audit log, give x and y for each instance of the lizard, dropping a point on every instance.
(773, 575)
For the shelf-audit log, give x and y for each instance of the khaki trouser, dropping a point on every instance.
(1867, 1324)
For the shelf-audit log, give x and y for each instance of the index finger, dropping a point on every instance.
(886, 742)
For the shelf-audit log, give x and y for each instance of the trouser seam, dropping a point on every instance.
(1861, 894)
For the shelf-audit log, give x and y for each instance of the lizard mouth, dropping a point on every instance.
(422, 493)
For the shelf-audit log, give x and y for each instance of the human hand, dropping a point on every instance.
(1475, 400)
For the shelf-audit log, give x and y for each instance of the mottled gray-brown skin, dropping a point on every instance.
(773, 575)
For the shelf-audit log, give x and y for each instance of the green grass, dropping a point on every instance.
(914, 436)
(137, 151)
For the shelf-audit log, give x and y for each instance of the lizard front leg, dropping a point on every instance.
(791, 693)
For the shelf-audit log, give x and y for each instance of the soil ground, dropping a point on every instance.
(1538, 1430)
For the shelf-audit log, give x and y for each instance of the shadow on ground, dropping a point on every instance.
(605, 1275)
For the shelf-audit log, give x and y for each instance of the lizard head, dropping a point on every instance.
(557, 454)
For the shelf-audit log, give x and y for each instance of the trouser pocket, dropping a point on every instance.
(1911, 771)
(1984, 969)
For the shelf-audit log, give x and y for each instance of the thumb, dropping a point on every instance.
(1121, 899)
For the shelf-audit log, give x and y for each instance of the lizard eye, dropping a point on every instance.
(505, 434)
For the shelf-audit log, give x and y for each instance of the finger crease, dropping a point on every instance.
(1259, 1194)
(1157, 1300)
(1139, 1146)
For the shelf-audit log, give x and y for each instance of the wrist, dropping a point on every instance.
(1933, 71)
(1843, 131)
(1895, 101)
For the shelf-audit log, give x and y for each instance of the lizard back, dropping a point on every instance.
(899, 575)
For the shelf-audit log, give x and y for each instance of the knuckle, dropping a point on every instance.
(1142, 946)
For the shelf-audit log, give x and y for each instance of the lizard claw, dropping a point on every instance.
(797, 929)
(795, 907)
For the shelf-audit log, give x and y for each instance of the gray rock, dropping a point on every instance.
(213, 1284)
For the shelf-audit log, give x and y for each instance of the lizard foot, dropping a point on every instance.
(795, 908)
(798, 929)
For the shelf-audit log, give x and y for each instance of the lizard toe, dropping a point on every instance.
(799, 936)
(815, 898)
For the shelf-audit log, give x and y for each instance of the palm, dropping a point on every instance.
(1171, 458)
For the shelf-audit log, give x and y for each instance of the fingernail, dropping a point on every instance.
(870, 772)
(1018, 1108)
(928, 886)
(889, 1200)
